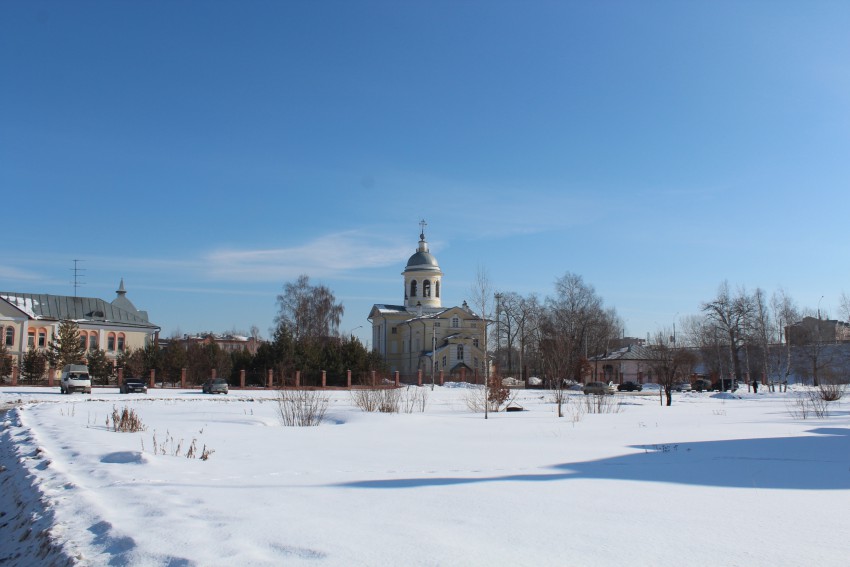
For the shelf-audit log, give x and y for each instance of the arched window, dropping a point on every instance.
(42, 338)
(437, 288)
(110, 342)
(460, 352)
(120, 342)
(31, 338)
(93, 341)
(413, 288)
(10, 336)
(455, 322)
(84, 338)
(426, 288)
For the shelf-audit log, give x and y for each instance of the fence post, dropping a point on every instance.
(441, 378)
(419, 377)
(324, 378)
(271, 377)
(183, 378)
(348, 378)
(297, 378)
(463, 374)
(50, 372)
(372, 373)
(213, 373)
(15, 371)
(242, 378)
(396, 378)
(120, 377)
(153, 378)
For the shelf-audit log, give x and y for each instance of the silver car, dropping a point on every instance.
(217, 386)
(598, 388)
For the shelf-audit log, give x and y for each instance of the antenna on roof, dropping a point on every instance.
(78, 272)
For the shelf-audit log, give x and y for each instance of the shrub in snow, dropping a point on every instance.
(126, 420)
(301, 408)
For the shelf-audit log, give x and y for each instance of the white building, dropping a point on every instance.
(421, 334)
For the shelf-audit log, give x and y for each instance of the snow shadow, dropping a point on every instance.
(820, 461)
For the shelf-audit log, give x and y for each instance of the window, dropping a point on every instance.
(110, 342)
(475, 343)
(395, 330)
(455, 322)
(93, 341)
(460, 352)
(42, 338)
(444, 362)
(437, 289)
(426, 288)
(84, 337)
(120, 342)
(31, 338)
(413, 288)
(436, 323)
(10, 336)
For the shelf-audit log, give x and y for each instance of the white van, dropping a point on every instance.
(75, 378)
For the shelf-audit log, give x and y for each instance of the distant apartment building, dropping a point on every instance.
(814, 330)
(227, 342)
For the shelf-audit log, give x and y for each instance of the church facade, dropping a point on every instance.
(422, 335)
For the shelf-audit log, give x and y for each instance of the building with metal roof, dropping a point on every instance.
(31, 320)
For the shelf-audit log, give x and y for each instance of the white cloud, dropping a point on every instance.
(326, 256)
(17, 274)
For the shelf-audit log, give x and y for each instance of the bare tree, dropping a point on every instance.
(779, 360)
(730, 314)
(308, 311)
(671, 363)
(574, 320)
(482, 292)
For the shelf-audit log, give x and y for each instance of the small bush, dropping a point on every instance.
(601, 404)
(301, 408)
(126, 421)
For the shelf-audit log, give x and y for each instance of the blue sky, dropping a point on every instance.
(208, 152)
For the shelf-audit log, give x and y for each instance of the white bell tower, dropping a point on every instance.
(422, 277)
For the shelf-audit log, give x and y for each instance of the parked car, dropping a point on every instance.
(598, 388)
(682, 387)
(534, 381)
(725, 384)
(611, 388)
(629, 387)
(217, 386)
(75, 378)
(135, 385)
(701, 385)
(651, 387)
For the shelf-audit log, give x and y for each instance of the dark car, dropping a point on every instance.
(217, 386)
(629, 387)
(701, 385)
(133, 385)
(725, 384)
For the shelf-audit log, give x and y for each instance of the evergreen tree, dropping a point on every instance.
(100, 367)
(33, 365)
(67, 348)
(5, 361)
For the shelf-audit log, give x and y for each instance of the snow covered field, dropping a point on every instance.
(712, 480)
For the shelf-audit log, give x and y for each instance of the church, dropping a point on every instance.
(421, 334)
